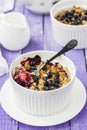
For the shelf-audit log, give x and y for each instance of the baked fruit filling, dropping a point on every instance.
(52, 76)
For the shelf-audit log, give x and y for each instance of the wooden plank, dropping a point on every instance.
(50, 44)
(27, 127)
(36, 31)
(48, 41)
(77, 56)
(86, 57)
(7, 123)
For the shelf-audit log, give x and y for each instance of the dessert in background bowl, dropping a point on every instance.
(75, 16)
(47, 94)
(69, 21)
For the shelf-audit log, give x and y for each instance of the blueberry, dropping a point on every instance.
(44, 78)
(30, 70)
(68, 20)
(56, 79)
(74, 22)
(46, 88)
(76, 17)
(32, 63)
(62, 17)
(57, 75)
(33, 68)
(85, 12)
(46, 83)
(56, 85)
(56, 63)
(72, 12)
(49, 75)
(79, 15)
(79, 21)
(53, 82)
(85, 18)
(50, 83)
(69, 16)
(50, 88)
(35, 78)
(67, 13)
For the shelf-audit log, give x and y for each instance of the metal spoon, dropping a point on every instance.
(3, 64)
(70, 45)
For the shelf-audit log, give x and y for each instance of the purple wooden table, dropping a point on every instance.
(41, 39)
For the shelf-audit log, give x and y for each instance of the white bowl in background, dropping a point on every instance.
(39, 6)
(62, 33)
(43, 103)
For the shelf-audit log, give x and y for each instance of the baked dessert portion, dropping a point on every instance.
(52, 76)
(74, 16)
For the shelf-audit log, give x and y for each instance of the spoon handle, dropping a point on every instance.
(70, 45)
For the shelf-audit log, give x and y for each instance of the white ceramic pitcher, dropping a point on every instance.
(14, 31)
(39, 6)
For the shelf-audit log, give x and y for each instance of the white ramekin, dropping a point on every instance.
(63, 33)
(43, 103)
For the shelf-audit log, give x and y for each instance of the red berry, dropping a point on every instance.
(51, 64)
(37, 59)
(29, 59)
(24, 77)
(23, 62)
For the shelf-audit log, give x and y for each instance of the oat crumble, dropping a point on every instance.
(75, 16)
(52, 76)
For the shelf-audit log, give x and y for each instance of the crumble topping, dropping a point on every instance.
(52, 76)
(75, 16)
